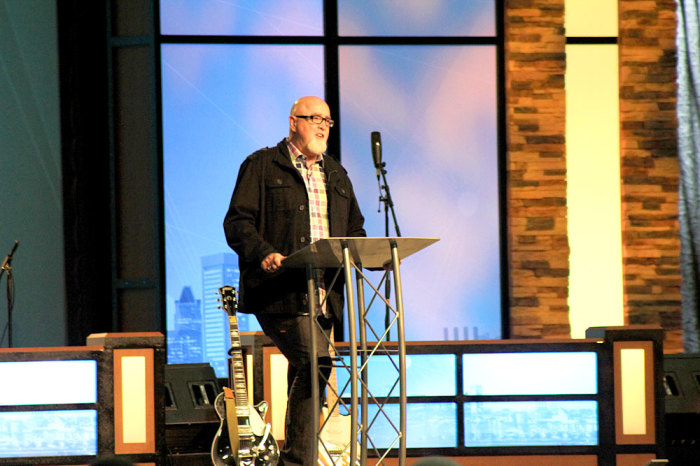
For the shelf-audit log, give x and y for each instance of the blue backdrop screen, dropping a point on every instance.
(436, 110)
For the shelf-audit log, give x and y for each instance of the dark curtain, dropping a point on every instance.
(688, 42)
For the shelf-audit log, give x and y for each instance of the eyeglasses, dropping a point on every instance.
(317, 119)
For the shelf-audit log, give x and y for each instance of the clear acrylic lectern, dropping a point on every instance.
(346, 254)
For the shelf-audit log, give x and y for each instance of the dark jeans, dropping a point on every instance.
(291, 335)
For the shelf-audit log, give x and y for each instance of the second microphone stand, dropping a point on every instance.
(385, 197)
(6, 267)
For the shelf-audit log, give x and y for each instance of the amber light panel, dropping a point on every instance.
(634, 392)
(593, 167)
(632, 378)
(590, 18)
(593, 187)
(134, 407)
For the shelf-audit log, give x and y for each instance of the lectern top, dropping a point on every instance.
(369, 252)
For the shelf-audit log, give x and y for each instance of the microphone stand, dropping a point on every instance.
(385, 197)
(7, 267)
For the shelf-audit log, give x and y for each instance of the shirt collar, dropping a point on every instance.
(296, 154)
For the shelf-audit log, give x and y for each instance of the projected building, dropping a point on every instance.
(217, 270)
(185, 340)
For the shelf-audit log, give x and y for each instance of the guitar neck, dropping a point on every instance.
(236, 375)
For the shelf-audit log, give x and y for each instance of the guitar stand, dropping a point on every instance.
(350, 254)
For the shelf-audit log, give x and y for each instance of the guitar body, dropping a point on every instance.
(222, 452)
(334, 448)
(255, 447)
(243, 437)
(335, 442)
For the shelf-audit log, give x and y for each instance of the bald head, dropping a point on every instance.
(303, 104)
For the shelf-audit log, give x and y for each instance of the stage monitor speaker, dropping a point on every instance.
(682, 387)
(190, 419)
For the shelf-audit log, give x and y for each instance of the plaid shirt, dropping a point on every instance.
(315, 182)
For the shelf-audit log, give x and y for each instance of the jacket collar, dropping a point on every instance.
(284, 158)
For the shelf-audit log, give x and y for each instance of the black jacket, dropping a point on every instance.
(269, 212)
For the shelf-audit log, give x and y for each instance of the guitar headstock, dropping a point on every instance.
(229, 299)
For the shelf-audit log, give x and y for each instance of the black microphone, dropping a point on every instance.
(377, 151)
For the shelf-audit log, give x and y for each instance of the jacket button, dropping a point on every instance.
(302, 207)
(302, 239)
(278, 181)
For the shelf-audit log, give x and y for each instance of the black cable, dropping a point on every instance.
(10, 304)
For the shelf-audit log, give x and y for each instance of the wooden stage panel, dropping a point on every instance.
(637, 447)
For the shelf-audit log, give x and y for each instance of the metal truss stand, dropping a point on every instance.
(347, 254)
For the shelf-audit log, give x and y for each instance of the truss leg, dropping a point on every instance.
(315, 395)
(402, 351)
(353, 352)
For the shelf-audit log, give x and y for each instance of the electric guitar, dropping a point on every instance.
(243, 438)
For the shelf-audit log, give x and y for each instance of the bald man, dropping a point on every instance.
(286, 197)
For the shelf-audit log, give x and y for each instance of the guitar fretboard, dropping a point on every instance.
(236, 373)
(236, 370)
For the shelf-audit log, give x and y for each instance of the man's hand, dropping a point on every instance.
(272, 263)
